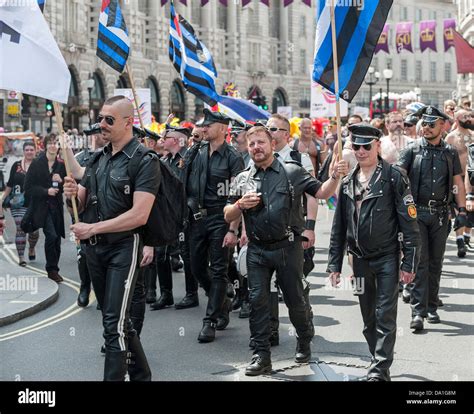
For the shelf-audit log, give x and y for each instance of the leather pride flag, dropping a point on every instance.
(357, 31)
(464, 54)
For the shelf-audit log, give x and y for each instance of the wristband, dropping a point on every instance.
(470, 196)
(310, 225)
(462, 210)
(232, 231)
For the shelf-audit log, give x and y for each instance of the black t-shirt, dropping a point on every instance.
(16, 180)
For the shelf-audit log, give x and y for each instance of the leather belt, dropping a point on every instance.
(107, 238)
(204, 212)
(433, 206)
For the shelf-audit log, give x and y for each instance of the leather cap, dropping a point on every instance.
(237, 127)
(364, 133)
(214, 117)
(181, 130)
(431, 114)
(411, 119)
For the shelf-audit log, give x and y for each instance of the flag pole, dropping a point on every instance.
(59, 121)
(336, 77)
(135, 97)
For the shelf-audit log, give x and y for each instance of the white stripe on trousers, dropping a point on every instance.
(126, 294)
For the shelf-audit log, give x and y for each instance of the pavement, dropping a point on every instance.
(443, 352)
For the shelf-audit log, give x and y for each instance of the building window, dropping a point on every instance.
(302, 26)
(433, 71)
(404, 14)
(404, 70)
(303, 65)
(447, 72)
(222, 17)
(389, 63)
(418, 71)
(419, 15)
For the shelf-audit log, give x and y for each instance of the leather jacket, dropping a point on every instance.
(387, 210)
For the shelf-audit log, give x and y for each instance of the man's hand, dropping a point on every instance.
(83, 231)
(309, 234)
(230, 240)
(470, 205)
(406, 277)
(249, 200)
(70, 187)
(53, 191)
(56, 177)
(335, 278)
(243, 239)
(338, 167)
(148, 254)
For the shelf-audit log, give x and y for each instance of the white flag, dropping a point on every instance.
(31, 61)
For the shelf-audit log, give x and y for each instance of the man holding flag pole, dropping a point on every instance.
(374, 202)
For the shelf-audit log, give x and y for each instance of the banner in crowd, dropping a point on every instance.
(382, 44)
(31, 60)
(323, 103)
(144, 100)
(403, 38)
(428, 35)
(448, 33)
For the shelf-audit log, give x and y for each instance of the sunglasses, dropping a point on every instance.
(357, 147)
(428, 124)
(196, 136)
(110, 120)
(275, 129)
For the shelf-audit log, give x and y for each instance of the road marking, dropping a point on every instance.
(66, 313)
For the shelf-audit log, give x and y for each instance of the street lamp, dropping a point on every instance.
(90, 83)
(387, 74)
(372, 80)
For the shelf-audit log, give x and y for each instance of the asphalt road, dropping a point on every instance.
(62, 342)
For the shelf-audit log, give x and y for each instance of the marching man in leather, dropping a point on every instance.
(375, 212)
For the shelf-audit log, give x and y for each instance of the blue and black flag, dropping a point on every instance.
(113, 43)
(41, 5)
(357, 31)
(192, 59)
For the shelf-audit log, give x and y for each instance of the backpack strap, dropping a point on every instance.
(92, 195)
(135, 161)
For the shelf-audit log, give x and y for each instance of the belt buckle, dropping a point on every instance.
(431, 207)
(93, 240)
(197, 216)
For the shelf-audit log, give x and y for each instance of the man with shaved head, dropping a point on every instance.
(461, 138)
(306, 144)
(115, 207)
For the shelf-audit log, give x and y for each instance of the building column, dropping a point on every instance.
(232, 35)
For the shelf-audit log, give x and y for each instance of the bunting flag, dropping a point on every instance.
(113, 43)
(403, 37)
(448, 33)
(192, 59)
(41, 5)
(428, 35)
(382, 44)
(464, 54)
(357, 33)
(34, 64)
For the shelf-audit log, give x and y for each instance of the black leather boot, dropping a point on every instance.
(208, 332)
(166, 299)
(303, 351)
(223, 319)
(115, 367)
(150, 283)
(138, 368)
(260, 364)
(191, 300)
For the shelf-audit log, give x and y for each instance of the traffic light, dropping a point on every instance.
(49, 108)
(261, 102)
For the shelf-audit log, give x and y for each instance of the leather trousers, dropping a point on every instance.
(378, 304)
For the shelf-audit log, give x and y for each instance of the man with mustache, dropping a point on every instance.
(461, 138)
(435, 175)
(268, 194)
(395, 141)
